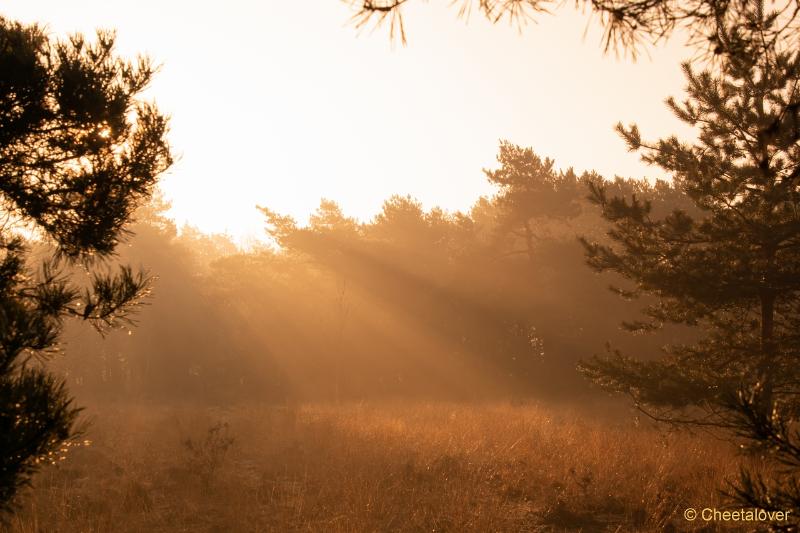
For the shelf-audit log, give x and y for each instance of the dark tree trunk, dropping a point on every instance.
(767, 360)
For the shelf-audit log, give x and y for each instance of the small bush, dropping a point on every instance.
(207, 455)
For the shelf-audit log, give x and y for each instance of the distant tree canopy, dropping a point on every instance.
(415, 303)
(78, 153)
(531, 192)
(426, 292)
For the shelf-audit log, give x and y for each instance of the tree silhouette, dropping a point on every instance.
(733, 270)
(627, 24)
(531, 193)
(78, 153)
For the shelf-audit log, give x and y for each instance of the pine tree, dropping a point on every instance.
(627, 24)
(78, 153)
(732, 271)
(531, 191)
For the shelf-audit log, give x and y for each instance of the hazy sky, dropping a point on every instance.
(280, 103)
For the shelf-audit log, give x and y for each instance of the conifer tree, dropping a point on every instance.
(627, 24)
(531, 191)
(732, 271)
(78, 153)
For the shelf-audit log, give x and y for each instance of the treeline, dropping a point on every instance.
(496, 302)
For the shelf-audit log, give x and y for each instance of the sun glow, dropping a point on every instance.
(283, 103)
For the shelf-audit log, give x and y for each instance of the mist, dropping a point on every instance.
(517, 343)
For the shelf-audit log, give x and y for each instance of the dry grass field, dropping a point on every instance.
(375, 468)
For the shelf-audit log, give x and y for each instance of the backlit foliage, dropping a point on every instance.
(78, 153)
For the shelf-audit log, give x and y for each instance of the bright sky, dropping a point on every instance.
(283, 102)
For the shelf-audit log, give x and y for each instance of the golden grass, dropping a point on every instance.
(375, 468)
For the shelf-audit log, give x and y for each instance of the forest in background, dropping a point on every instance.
(494, 303)
(415, 304)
